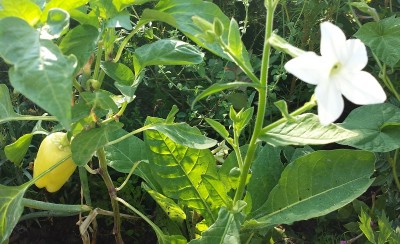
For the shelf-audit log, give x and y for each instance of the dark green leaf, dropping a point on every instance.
(85, 144)
(118, 72)
(218, 127)
(100, 99)
(377, 133)
(16, 151)
(6, 109)
(306, 130)
(315, 185)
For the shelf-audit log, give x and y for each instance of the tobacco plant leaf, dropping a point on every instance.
(266, 170)
(100, 99)
(11, 209)
(40, 71)
(121, 4)
(226, 228)
(217, 191)
(315, 185)
(85, 144)
(383, 39)
(179, 14)
(66, 5)
(57, 24)
(6, 109)
(16, 151)
(377, 126)
(306, 130)
(178, 170)
(24, 9)
(166, 52)
(81, 41)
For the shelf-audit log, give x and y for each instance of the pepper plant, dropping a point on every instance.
(64, 70)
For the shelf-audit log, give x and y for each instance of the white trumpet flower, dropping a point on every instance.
(337, 72)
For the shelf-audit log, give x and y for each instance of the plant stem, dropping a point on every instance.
(28, 117)
(129, 176)
(61, 208)
(99, 54)
(103, 171)
(126, 40)
(393, 163)
(262, 101)
(86, 195)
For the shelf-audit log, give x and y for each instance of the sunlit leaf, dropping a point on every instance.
(24, 9)
(16, 151)
(57, 23)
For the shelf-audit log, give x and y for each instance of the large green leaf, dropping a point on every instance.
(178, 170)
(218, 192)
(11, 209)
(81, 42)
(226, 228)
(40, 72)
(179, 14)
(315, 185)
(24, 9)
(383, 38)
(166, 52)
(6, 109)
(66, 5)
(57, 24)
(266, 170)
(306, 130)
(377, 126)
(16, 151)
(85, 144)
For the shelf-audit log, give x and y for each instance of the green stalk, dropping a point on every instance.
(103, 171)
(262, 100)
(29, 117)
(393, 163)
(62, 208)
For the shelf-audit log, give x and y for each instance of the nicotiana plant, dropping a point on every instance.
(63, 70)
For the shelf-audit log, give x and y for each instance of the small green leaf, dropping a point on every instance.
(6, 109)
(306, 130)
(365, 226)
(120, 20)
(66, 5)
(121, 4)
(118, 72)
(315, 185)
(57, 24)
(24, 9)
(377, 133)
(383, 39)
(218, 127)
(282, 106)
(11, 209)
(100, 99)
(85, 144)
(221, 87)
(234, 38)
(16, 151)
(173, 211)
(242, 119)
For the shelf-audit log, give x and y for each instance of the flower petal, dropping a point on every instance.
(354, 55)
(309, 67)
(332, 41)
(361, 88)
(330, 102)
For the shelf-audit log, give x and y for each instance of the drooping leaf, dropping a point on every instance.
(57, 24)
(11, 209)
(179, 14)
(173, 211)
(383, 39)
(315, 185)
(16, 151)
(40, 72)
(6, 109)
(85, 144)
(226, 228)
(167, 52)
(266, 171)
(81, 42)
(306, 130)
(178, 170)
(377, 127)
(24, 9)
(221, 87)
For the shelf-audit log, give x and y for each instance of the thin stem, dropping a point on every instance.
(262, 101)
(117, 115)
(28, 117)
(393, 163)
(103, 171)
(237, 149)
(86, 195)
(63, 208)
(130, 134)
(129, 176)
(99, 55)
(77, 85)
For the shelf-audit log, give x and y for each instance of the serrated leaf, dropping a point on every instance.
(383, 39)
(6, 109)
(81, 42)
(40, 72)
(173, 211)
(57, 23)
(16, 151)
(266, 170)
(178, 170)
(11, 208)
(167, 52)
(377, 133)
(365, 226)
(226, 228)
(306, 130)
(315, 185)
(85, 144)
(179, 14)
(24, 9)
(221, 87)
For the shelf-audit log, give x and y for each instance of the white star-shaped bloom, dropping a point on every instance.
(337, 72)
